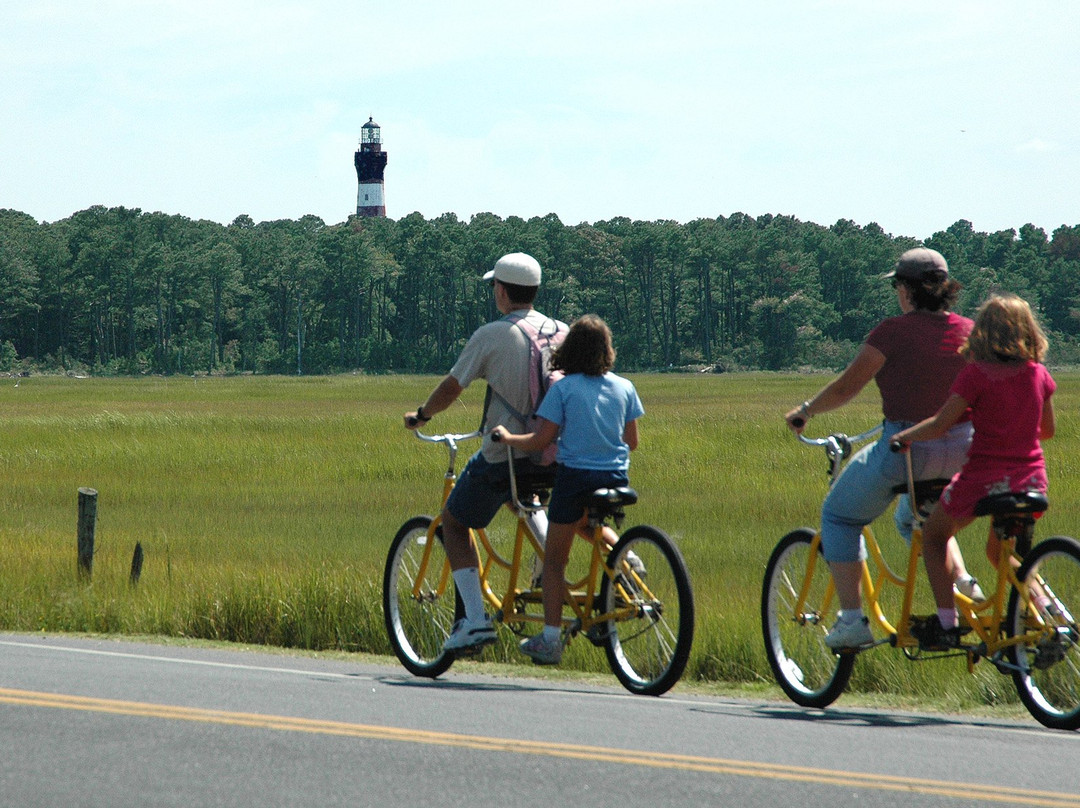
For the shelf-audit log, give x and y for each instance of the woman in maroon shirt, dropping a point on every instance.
(913, 358)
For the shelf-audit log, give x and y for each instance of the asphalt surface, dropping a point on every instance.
(100, 722)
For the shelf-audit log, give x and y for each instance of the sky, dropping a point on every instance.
(911, 115)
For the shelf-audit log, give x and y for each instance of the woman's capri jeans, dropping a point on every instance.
(864, 488)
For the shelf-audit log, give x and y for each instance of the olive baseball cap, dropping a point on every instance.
(918, 263)
(519, 268)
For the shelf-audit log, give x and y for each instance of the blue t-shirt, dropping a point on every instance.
(592, 412)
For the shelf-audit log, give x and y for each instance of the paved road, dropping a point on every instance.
(107, 723)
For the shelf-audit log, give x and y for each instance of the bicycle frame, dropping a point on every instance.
(645, 630)
(985, 619)
(1030, 635)
(510, 606)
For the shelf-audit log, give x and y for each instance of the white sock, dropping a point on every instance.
(850, 615)
(552, 633)
(948, 618)
(467, 581)
(538, 521)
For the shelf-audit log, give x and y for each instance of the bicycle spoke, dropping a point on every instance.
(807, 670)
(1048, 664)
(648, 648)
(419, 603)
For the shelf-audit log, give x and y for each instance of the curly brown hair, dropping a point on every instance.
(1005, 331)
(587, 348)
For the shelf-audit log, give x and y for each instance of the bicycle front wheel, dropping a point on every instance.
(648, 650)
(1047, 674)
(420, 603)
(807, 669)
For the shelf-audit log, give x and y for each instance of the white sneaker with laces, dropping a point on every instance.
(969, 587)
(470, 635)
(849, 635)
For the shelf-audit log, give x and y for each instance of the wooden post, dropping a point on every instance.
(136, 564)
(87, 523)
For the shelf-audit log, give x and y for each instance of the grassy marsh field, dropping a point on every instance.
(265, 507)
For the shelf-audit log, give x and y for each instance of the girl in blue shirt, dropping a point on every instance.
(593, 413)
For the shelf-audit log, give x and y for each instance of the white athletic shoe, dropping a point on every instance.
(970, 588)
(469, 636)
(849, 635)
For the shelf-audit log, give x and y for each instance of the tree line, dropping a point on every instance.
(116, 290)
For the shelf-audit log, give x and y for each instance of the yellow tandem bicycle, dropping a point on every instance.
(641, 614)
(1026, 627)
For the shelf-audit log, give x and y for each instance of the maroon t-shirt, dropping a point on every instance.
(921, 362)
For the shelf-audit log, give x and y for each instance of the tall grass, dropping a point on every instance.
(265, 507)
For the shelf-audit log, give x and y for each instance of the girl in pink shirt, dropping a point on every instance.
(1007, 392)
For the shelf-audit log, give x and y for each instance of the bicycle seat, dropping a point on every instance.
(534, 481)
(924, 489)
(609, 499)
(1022, 502)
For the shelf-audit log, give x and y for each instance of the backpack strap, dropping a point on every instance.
(514, 319)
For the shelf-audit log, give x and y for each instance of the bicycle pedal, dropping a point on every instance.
(598, 635)
(933, 638)
(465, 653)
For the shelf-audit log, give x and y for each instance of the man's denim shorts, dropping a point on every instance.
(481, 489)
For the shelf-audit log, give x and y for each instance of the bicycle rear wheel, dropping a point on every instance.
(419, 618)
(1048, 670)
(809, 672)
(648, 651)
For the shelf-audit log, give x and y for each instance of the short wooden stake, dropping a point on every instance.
(87, 523)
(136, 564)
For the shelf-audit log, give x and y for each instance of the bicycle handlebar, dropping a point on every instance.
(451, 441)
(449, 438)
(837, 447)
(841, 438)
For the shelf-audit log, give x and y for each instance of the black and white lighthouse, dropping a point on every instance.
(370, 161)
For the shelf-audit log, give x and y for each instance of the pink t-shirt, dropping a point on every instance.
(921, 361)
(1006, 402)
(1006, 405)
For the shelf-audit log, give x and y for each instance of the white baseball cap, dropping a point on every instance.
(520, 269)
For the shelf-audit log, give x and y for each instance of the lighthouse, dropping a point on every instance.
(370, 160)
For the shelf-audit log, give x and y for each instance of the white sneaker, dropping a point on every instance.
(469, 636)
(969, 587)
(849, 635)
(635, 562)
(542, 651)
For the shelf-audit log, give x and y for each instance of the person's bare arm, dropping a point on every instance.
(937, 424)
(445, 394)
(867, 362)
(1048, 424)
(545, 433)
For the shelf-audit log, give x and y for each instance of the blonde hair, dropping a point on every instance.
(1005, 331)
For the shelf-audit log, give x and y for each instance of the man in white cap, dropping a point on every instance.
(499, 353)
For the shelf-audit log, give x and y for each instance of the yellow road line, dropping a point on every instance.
(880, 782)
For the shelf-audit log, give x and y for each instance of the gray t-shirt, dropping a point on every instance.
(499, 353)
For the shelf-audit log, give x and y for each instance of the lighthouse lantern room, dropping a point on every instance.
(370, 160)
